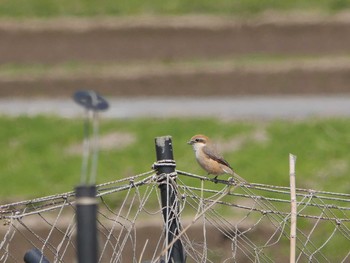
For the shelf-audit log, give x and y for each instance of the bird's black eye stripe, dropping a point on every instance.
(199, 140)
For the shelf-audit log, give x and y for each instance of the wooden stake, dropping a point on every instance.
(293, 202)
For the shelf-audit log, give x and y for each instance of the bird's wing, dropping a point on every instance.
(213, 154)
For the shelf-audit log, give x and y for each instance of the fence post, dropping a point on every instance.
(86, 202)
(34, 256)
(165, 167)
(293, 202)
(86, 205)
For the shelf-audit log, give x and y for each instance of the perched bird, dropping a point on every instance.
(208, 157)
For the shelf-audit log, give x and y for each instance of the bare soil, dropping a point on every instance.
(177, 38)
(219, 247)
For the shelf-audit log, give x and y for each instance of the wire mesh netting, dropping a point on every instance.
(226, 221)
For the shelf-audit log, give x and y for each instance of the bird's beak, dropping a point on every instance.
(190, 142)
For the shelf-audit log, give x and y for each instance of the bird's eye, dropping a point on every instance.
(198, 140)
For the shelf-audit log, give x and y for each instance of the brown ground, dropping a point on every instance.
(173, 39)
(219, 247)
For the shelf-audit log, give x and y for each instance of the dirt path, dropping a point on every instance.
(242, 108)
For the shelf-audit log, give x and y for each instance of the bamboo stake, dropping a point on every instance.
(293, 202)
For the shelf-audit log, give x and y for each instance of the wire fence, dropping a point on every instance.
(156, 217)
(225, 221)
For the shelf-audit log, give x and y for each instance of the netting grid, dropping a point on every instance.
(240, 222)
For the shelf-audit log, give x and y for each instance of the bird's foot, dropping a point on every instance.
(215, 179)
(231, 180)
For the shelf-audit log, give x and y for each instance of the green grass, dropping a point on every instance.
(34, 161)
(53, 8)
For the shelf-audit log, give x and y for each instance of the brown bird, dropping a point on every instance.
(208, 157)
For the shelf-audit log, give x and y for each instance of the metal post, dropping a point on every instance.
(165, 168)
(86, 202)
(86, 205)
(34, 256)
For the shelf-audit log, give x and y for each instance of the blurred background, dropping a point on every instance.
(262, 78)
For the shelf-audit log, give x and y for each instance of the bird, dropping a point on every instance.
(208, 157)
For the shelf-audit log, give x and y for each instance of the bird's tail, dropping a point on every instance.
(239, 178)
(235, 176)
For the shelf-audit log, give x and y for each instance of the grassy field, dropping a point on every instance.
(41, 155)
(38, 159)
(52, 8)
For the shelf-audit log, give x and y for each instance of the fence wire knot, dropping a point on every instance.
(162, 178)
(311, 192)
(132, 181)
(162, 163)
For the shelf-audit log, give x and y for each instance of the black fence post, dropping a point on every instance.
(165, 167)
(85, 193)
(34, 255)
(86, 205)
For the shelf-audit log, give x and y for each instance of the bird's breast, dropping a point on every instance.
(208, 164)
